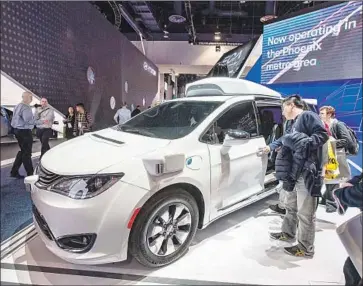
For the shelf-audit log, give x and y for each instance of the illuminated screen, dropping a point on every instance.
(231, 62)
(322, 45)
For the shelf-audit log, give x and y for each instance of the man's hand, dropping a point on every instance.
(264, 150)
(344, 185)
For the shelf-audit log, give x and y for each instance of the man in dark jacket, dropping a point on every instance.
(301, 204)
(275, 146)
(136, 111)
(350, 194)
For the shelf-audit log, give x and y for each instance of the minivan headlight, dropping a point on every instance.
(80, 188)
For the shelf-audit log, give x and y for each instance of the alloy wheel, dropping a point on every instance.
(169, 229)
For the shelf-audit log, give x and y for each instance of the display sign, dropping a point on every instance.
(321, 45)
(231, 62)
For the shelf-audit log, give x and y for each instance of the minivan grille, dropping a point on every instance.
(46, 178)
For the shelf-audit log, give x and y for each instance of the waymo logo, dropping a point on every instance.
(149, 69)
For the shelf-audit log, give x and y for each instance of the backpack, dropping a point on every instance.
(353, 147)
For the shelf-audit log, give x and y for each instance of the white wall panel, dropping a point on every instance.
(11, 95)
(181, 53)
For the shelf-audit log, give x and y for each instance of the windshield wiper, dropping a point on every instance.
(138, 131)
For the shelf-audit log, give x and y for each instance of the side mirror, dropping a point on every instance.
(238, 134)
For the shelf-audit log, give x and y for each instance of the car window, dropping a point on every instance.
(170, 120)
(312, 108)
(271, 122)
(240, 117)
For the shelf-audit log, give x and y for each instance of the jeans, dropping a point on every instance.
(44, 136)
(24, 156)
(282, 199)
(328, 196)
(300, 216)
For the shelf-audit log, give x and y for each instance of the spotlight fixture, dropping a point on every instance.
(267, 18)
(307, 2)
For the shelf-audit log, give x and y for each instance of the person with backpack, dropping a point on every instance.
(346, 144)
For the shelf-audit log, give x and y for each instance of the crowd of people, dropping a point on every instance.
(302, 157)
(77, 122)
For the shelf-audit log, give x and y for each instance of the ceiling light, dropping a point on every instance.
(177, 19)
(217, 36)
(166, 32)
(242, 2)
(166, 36)
(267, 18)
(307, 2)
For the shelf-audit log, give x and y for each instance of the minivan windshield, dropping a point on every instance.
(170, 120)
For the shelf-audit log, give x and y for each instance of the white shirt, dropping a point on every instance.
(122, 115)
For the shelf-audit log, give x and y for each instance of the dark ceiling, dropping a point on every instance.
(196, 21)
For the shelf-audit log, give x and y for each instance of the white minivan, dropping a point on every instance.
(144, 188)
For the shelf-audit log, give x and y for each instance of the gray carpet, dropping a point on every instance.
(16, 210)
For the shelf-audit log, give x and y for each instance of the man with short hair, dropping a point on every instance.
(122, 115)
(83, 121)
(136, 111)
(23, 123)
(309, 134)
(44, 113)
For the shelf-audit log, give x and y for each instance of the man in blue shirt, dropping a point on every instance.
(23, 122)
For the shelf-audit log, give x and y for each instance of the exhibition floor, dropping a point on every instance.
(233, 250)
(236, 249)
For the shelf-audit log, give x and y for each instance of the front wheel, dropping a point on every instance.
(164, 228)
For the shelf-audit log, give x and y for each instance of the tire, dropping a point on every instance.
(151, 232)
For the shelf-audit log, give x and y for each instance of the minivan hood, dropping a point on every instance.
(93, 152)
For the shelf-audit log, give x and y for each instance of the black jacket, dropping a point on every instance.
(350, 196)
(341, 134)
(291, 159)
(301, 154)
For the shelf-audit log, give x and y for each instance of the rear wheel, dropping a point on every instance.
(164, 228)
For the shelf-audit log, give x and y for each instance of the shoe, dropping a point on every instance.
(281, 237)
(16, 176)
(330, 209)
(297, 251)
(277, 209)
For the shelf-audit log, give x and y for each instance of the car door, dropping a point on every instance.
(238, 173)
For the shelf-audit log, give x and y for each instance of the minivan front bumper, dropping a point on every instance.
(100, 223)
